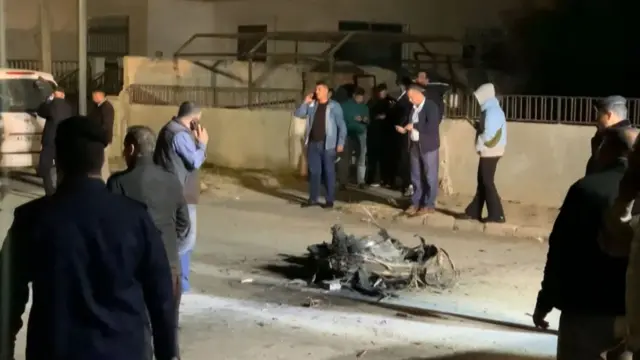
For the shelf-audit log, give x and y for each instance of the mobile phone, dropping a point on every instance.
(193, 125)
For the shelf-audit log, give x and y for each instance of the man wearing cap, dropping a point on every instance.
(54, 110)
(100, 271)
(585, 283)
(181, 149)
(104, 114)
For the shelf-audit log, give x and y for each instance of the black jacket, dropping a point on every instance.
(596, 143)
(104, 113)
(381, 115)
(53, 112)
(579, 277)
(401, 110)
(161, 192)
(97, 266)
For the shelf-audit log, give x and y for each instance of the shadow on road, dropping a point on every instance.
(291, 267)
(418, 351)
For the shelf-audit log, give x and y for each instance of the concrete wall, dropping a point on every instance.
(541, 162)
(23, 32)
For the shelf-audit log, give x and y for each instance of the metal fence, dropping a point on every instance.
(59, 69)
(543, 109)
(220, 97)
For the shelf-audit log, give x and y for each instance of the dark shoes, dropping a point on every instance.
(309, 204)
(497, 220)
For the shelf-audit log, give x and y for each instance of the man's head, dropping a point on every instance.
(188, 113)
(98, 96)
(422, 78)
(58, 93)
(358, 95)
(415, 94)
(381, 91)
(80, 143)
(611, 110)
(322, 92)
(140, 141)
(404, 83)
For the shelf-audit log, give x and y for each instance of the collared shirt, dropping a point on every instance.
(192, 152)
(416, 112)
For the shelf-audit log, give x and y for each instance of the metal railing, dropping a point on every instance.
(542, 109)
(59, 67)
(220, 97)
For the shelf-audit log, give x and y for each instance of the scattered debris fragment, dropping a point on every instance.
(246, 281)
(332, 285)
(360, 354)
(311, 303)
(379, 264)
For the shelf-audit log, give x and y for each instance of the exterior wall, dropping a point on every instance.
(23, 32)
(541, 162)
(426, 17)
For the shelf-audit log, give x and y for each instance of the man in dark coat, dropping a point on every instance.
(401, 111)
(95, 261)
(54, 110)
(612, 114)
(158, 189)
(380, 135)
(582, 281)
(104, 114)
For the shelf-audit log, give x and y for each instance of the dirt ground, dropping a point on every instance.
(380, 203)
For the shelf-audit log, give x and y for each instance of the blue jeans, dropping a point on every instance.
(361, 157)
(322, 164)
(187, 248)
(424, 177)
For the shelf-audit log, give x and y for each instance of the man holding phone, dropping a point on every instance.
(324, 138)
(181, 149)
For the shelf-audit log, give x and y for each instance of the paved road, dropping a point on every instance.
(249, 234)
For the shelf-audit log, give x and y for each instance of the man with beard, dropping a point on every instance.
(380, 134)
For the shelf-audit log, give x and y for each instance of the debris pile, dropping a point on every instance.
(379, 264)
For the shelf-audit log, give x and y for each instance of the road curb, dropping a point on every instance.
(443, 221)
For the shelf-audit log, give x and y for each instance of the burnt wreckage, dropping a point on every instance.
(379, 265)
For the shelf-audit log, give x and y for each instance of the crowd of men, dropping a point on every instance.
(106, 264)
(395, 143)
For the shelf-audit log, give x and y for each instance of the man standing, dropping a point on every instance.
(380, 135)
(324, 138)
(424, 135)
(587, 286)
(181, 149)
(491, 141)
(54, 110)
(356, 118)
(401, 111)
(612, 114)
(100, 272)
(104, 114)
(159, 190)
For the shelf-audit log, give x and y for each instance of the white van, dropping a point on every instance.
(21, 93)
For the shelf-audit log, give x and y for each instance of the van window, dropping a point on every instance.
(23, 95)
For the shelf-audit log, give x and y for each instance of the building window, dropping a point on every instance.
(246, 44)
(387, 55)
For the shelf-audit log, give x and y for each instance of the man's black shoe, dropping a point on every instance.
(500, 220)
(328, 206)
(309, 204)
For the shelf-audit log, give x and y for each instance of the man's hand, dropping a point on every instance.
(381, 116)
(358, 118)
(201, 134)
(409, 127)
(339, 148)
(401, 130)
(308, 99)
(539, 319)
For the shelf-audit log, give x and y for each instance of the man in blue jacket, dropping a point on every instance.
(424, 145)
(324, 138)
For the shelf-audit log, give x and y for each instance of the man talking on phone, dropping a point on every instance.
(181, 149)
(324, 138)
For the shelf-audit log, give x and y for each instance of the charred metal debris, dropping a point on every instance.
(380, 265)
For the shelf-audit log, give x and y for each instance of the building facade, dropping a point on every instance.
(153, 27)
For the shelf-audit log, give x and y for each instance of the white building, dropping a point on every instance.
(146, 27)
